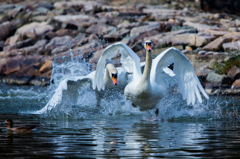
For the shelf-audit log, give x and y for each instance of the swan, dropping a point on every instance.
(147, 88)
(115, 80)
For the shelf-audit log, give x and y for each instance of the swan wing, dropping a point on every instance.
(130, 62)
(183, 74)
(64, 85)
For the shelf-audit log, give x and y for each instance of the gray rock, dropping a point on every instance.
(141, 29)
(9, 28)
(58, 41)
(234, 73)
(216, 44)
(200, 27)
(116, 36)
(100, 29)
(200, 39)
(18, 45)
(202, 52)
(232, 46)
(215, 78)
(34, 29)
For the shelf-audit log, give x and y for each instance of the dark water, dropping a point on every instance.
(118, 135)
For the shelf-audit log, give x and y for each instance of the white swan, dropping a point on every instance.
(145, 90)
(69, 86)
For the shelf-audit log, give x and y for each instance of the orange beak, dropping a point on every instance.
(114, 79)
(148, 47)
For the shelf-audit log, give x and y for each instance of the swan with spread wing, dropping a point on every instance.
(114, 80)
(147, 88)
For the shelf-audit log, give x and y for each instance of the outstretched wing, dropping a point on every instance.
(130, 63)
(185, 76)
(64, 85)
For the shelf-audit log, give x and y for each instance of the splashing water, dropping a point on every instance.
(79, 102)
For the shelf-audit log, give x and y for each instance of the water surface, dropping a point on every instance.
(208, 130)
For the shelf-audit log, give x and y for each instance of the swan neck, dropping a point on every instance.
(107, 78)
(148, 65)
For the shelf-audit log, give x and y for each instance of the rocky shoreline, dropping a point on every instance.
(34, 33)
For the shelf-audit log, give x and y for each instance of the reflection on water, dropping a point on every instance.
(116, 129)
(121, 136)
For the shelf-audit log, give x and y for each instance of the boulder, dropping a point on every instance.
(34, 29)
(136, 31)
(18, 45)
(8, 28)
(116, 36)
(200, 39)
(216, 45)
(100, 29)
(215, 78)
(46, 67)
(58, 41)
(234, 73)
(236, 84)
(200, 27)
(13, 64)
(232, 46)
(217, 32)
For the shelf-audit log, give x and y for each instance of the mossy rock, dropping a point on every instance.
(223, 68)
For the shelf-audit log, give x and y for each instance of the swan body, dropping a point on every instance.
(147, 88)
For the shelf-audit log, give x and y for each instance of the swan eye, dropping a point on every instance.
(114, 75)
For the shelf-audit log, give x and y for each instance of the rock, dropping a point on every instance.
(181, 39)
(200, 27)
(234, 73)
(202, 52)
(6, 7)
(116, 36)
(13, 80)
(215, 78)
(100, 29)
(45, 5)
(14, 12)
(46, 67)
(236, 84)
(34, 29)
(8, 28)
(200, 39)
(36, 49)
(234, 36)
(128, 25)
(217, 32)
(13, 64)
(232, 29)
(62, 32)
(55, 23)
(141, 29)
(58, 41)
(96, 56)
(67, 18)
(13, 40)
(137, 46)
(216, 44)
(18, 45)
(39, 82)
(232, 46)
(3, 62)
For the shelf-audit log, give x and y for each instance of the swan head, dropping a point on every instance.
(112, 73)
(148, 45)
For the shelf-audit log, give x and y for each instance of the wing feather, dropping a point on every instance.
(185, 76)
(130, 63)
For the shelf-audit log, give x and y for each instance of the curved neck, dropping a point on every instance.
(147, 68)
